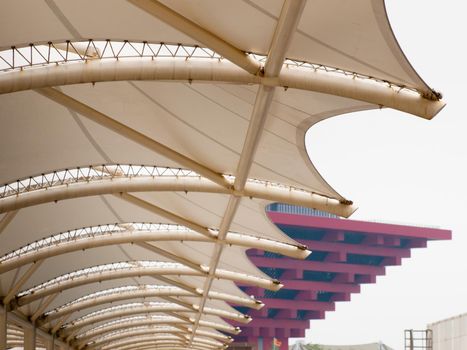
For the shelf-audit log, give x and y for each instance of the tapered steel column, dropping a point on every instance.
(30, 338)
(3, 328)
(50, 343)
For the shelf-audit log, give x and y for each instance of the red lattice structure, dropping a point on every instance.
(345, 254)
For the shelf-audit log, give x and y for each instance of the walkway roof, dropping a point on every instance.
(214, 99)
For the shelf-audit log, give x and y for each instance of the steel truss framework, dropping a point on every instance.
(295, 75)
(110, 234)
(143, 322)
(133, 268)
(147, 308)
(139, 291)
(41, 67)
(137, 322)
(166, 330)
(31, 191)
(41, 54)
(45, 248)
(167, 341)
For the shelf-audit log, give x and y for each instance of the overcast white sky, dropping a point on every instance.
(401, 168)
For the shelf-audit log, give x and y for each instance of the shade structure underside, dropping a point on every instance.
(82, 126)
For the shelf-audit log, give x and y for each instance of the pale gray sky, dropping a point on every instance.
(401, 168)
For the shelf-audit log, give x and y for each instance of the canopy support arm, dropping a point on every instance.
(22, 321)
(24, 278)
(166, 214)
(135, 271)
(185, 291)
(7, 218)
(171, 256)
(43, 306)
(60, 323)
(186, 26)
(178, 284)
(129, 133)
(120, 186)
(109, 340)
(102, 70)
(129, 235)
(73, 328)
(286, 26)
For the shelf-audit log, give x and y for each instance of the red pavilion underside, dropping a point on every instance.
(345, 254)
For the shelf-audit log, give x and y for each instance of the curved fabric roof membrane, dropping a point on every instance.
(141, 142)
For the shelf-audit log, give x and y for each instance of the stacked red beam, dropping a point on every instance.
(346, 254)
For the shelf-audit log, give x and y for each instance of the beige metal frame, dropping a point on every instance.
(220, 71)
(252, 188)
(143, 321)
(131, 309)
(288, 21)
(133, 269)
(141, 291)
(128, 233)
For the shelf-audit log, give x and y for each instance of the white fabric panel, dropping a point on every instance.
(60, 265)
(355, 36)
(34, 223)
(20, 20)
(98, 287)
(256, 30)
(174, 115)
(75, 293)
(202, 128)
(37, 22)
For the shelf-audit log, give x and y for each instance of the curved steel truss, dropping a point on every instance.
(125, 310)
(121, 325)
(132, 332)
(216, 339)
(113, 179)
(40, 54)
(133, 269)
(180, 70)
(150, 319)
(59, 53)
(140, 291)
(85, 174)
(162, 342)
(110, 234)
(139, 233)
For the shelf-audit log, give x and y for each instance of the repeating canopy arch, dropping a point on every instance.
(98, 250)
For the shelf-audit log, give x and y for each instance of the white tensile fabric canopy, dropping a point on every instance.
(142, 141)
